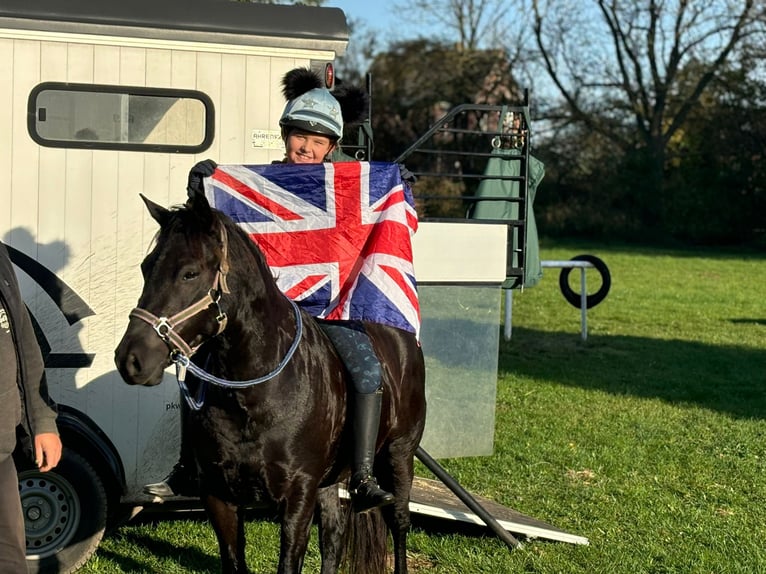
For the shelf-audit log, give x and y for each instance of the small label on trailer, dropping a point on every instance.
(267, 139)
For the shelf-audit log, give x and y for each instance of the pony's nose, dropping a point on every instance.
(129, 367)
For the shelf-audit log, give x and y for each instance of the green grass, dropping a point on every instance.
(648, 438)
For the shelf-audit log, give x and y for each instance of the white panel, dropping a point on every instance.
(77, 180)
(133, 66)
(23, 222)
(158, 68)
(80, 64)
(460, 252)
(106, 65)
(130, 251)
(6, 132)
(157, 165)
(104, 394)
(209, 82)
(54, 251)
(103, 215)
(231, 118)
(257, 107)
(183, 75)
(25, 151)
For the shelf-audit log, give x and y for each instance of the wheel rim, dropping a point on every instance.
(51, 512)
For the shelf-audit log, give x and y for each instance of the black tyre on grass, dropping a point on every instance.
(65, 513)
(592, 299)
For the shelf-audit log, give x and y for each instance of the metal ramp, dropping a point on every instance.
(431, 498)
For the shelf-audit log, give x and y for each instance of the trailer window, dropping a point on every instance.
(120, 117)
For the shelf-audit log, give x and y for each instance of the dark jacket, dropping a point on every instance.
(24, 400)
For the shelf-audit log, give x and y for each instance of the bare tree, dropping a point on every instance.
(467, 24)
(621, 66)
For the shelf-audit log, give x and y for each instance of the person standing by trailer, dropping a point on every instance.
(24, 402)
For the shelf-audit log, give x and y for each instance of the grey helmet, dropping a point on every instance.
(314, 108)
(315, 111)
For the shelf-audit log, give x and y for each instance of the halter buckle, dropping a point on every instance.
(163, 327)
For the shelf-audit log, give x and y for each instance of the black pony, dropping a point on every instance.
(282, 438)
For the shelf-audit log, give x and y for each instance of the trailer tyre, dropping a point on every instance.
(65, 513)
(593, 299)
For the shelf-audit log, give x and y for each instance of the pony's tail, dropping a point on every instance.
(366, 543)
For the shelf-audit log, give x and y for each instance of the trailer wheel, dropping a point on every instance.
(65, 513)
(595, 298)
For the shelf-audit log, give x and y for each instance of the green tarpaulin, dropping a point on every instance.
(507, 163)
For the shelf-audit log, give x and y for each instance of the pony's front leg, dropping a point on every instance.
(297, 514)
(229, 528)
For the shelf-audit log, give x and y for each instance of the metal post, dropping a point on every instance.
(583, 306)
(508, 313)
(466, 498)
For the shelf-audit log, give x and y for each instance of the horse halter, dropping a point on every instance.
(181, 351)
(165, 326)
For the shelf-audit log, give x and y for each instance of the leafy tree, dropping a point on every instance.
(415, 81)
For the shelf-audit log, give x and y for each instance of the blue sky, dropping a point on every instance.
(378, 16)
(375, 14)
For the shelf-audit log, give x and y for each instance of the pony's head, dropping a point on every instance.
(184, 280)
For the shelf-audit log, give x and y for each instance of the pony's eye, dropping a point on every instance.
(189, 275)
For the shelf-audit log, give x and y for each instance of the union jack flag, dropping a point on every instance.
(337, 236)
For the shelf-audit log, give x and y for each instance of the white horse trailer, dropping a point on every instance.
(101, 100)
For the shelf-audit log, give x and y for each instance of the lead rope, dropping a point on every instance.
(184, 365)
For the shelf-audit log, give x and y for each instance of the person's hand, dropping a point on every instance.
(47, 450)
(407, 175)
(202, 169)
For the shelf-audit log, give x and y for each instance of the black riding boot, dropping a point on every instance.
(182, 480)
(364, 489)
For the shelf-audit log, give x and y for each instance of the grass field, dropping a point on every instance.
(648, 438)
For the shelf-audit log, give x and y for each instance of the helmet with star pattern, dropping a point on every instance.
(315, 109)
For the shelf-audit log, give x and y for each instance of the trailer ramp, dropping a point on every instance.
(433, 499)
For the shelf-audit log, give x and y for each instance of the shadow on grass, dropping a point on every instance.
(726, 379)
(188, 558)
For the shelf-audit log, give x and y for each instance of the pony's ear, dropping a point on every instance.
(199, 205)
(158, 213)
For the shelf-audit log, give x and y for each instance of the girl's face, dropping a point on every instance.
(306, 147)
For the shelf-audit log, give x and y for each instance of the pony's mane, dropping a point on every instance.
(243, 254)
(240, 243)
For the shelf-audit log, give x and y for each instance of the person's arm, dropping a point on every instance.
(40, 409)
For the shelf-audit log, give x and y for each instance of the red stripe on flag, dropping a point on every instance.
(396, 275)
(299, 288)
(391, 199)
(412, 221)
(276, 208)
